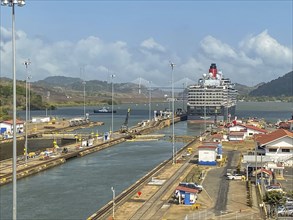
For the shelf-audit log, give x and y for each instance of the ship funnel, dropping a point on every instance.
(213, 70)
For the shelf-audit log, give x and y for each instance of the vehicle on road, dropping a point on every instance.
(230, 172)
(235, 177)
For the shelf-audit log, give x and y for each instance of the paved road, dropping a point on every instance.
(221, 203)
(216, 184)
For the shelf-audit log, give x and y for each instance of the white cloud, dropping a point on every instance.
(5, 34)
(245, 63)
(267, 48)
(215, 48)
(151, 44)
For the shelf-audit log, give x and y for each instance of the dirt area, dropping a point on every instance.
(42, 127)
(242, 146)
(237, 207)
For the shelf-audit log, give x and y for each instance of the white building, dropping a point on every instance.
(249, 130)
(6, 127)
(278, 145)
(207, 155)
(274, 151)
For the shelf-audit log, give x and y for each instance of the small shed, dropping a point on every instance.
(187, 195)
(207, 155)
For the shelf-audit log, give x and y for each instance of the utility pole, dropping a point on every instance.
(26, 63)
(173, 112)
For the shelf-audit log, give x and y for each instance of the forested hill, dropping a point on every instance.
(281, 86)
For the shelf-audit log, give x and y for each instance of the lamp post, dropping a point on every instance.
(247, 165)
(26, 63)
(113, 191)
(173, 138)
(112, 125)
(183, 96)
(150, 100)
(29, 97)
(261, 169)
(261, 166)
(205, 110)
(12, 3)
(83, 82)
(255, 164)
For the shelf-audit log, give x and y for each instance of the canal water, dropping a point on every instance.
(79, 187)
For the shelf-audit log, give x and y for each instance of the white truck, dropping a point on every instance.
(235, 177)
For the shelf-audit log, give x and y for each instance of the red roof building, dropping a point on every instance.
(274, 149)
(6, 127)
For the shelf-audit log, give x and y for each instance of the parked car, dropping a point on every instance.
(230, 172)
(191, 186)
(274, 188)
(198, 185)
(289, 201)
(235, 177)
(285, 211)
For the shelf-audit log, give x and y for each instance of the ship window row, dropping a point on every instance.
(208, 93)
(206, 100)
(202, 96)
(207, 104)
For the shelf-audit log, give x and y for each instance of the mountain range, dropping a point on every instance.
(61, 90)
(281, 86)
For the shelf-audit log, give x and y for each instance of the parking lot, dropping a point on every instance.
(223, 198)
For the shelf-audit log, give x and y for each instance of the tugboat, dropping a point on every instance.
(104, 110)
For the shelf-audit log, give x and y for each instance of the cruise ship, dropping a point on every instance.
(213, 99)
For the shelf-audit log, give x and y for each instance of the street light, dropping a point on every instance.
(113, 191)
(26, 63)
(205, 111)
(12, 3)
(83, 82)
(255, 164)
(261, 165)
(261, 169)
(183, 96)
(150, 100)
(112, 76)
(247, 165)
(29, 77)
(173, 138)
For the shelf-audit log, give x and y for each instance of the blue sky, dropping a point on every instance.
(251, 41)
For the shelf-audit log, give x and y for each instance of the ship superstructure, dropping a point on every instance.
(212, 99)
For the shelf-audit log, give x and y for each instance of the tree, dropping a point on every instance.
(274, 199)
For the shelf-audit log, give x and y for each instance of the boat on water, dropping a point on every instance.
(212, 99)
(104, 110)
